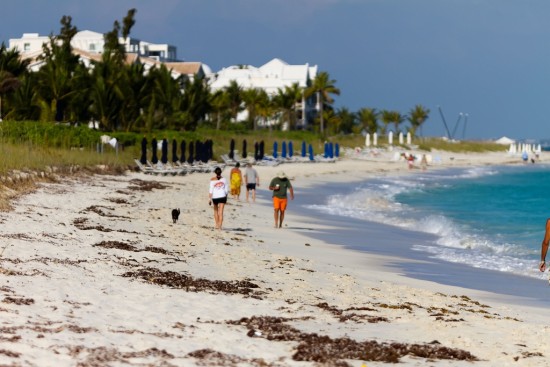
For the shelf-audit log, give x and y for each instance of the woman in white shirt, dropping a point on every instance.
(217, 195)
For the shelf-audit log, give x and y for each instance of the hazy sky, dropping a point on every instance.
(487, 58)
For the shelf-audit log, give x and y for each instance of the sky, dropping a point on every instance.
(488, 60)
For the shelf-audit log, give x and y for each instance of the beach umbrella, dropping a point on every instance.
(275, 149)
(325, 154)
(409, 138)
(174, 151)
(143, 158)
(154, 148)
(244, 148)
(337, 150)
(182, 149)
(304, 153)
(231, 149)
(390, 138)
(367, 140)
(256, 151)
(331, 150)
(164, 151)
(290, 149)
(375, 139)
(283, 149)
(210, 149)
(400, 138)
(262, 146)
(191, 158)
(311, 153)
(198, 151)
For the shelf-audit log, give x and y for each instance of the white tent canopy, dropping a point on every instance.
(504, 141)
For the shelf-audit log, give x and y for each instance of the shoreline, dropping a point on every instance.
(95, 270)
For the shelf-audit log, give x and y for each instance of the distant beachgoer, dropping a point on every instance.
(251, 180)
(410, 161)
(236, 180)
(280, 185)
(424, 162)
(217, 195)
(525, 157)
(544, 247)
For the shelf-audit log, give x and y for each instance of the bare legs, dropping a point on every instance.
(218, 214)
(253, 195)
(279, 216)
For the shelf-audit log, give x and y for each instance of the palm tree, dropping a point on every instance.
(233, 94)
(386, 118)
(253, 100)
(284, 104)
(195, 102)
(396, 118)
(417, 116)
(368, 118)
(12, 69)
(219, 104)
(55, 78)
(346, 121)
(323, 87)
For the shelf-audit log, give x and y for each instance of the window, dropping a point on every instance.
(92, 47)
(26, 46)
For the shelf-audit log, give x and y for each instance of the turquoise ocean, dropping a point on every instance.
(490, 218)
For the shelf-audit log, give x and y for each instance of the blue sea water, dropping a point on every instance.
(486, 217)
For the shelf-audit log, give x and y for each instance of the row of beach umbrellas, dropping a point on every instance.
(195, 151)
(287, 150)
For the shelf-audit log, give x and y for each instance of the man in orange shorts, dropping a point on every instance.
(280, 185)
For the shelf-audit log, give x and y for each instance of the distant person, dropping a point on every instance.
(544, 247)
(236, 180)
(410, 161)
(251, 180)
(280, 185)
(217, 196)
(525, 157)
(424, 162)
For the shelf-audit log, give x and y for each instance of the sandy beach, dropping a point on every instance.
(94, 273)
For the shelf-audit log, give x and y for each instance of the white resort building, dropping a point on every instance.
(89, 46)
(272, 76)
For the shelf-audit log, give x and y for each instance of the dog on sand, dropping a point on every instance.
(175, 215)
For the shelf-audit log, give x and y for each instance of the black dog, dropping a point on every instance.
(175, 215)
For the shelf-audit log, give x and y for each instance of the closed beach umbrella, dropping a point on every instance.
(154, 148)
(330, 150)
(191, 157)
(304, 153)
(275, 149)
(310, 152)
(143, 158)
(244, 148)
(290, 149)
(337, 150)
(256, 151)
(182, 149)
(367, 140)
(262, 147)
(231, 149)
(283, 149)
(325, 153)
(164, 150)
(210, 149)
(198, 151)
(174, 151)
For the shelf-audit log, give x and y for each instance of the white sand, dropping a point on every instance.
(66, 303)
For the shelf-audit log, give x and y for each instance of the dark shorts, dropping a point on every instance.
(219, 200)
(251, 187)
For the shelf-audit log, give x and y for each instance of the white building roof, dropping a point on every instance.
(275, 74)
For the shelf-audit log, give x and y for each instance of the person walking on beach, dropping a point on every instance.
(251, 180)
(280, 185)
(544, 247)
(236, 180)
(217, 196)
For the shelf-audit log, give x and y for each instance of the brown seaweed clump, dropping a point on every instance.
(182, 281)
(324, 349)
